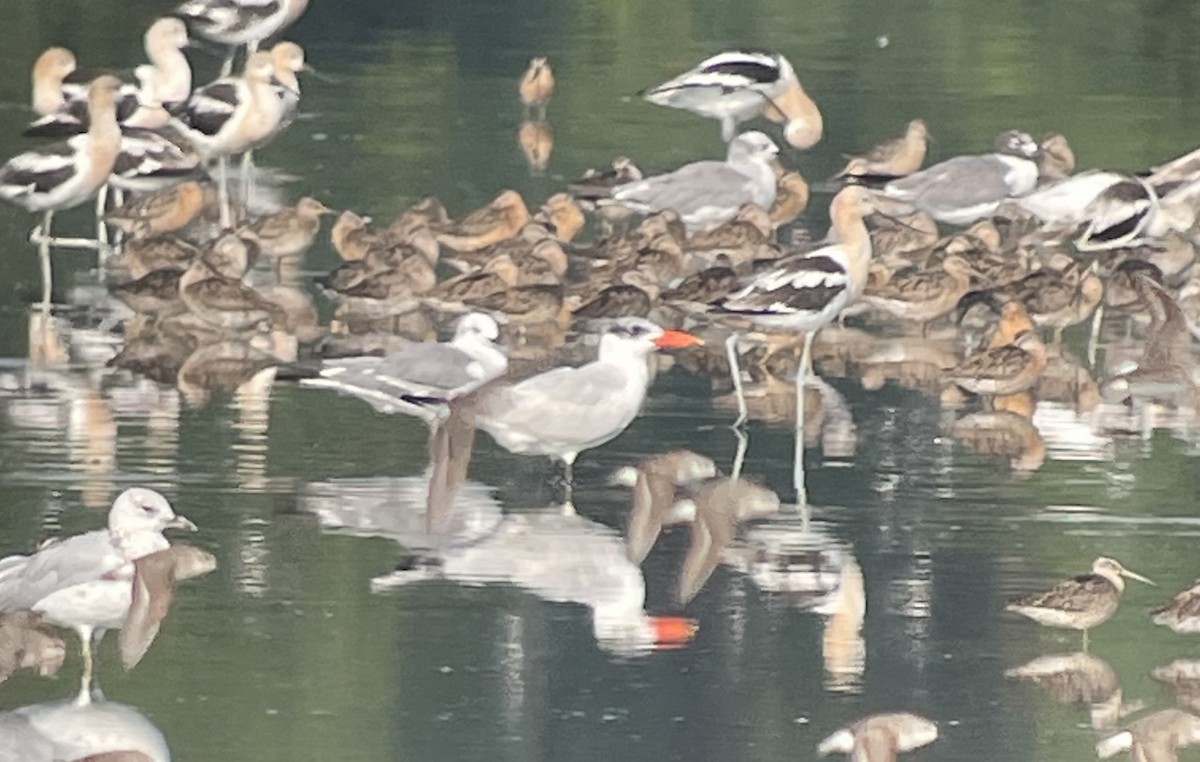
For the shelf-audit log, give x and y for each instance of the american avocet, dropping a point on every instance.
(891, 158)
(1079, 603)
(565, 411)
(240, 22)
(707, 193)
(234, 114)
(289, 62)
(879, 737)
(57, 83)
(737, 85)
(964, 189)
(64, 175)
(50, 72)
(83, 582)
(806, 294)
(536, 85)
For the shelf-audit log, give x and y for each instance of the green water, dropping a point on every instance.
(285, 653)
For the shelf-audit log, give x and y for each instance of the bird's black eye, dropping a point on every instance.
(148, 508)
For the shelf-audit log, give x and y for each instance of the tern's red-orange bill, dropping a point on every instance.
(673, 631)
(677, 340)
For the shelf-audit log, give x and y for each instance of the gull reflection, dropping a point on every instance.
(1154, 738)
(64, 732)
(1079, 678)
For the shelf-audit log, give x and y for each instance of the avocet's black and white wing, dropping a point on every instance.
(150, 160)
(803, 293)
(234, 22)
(731, 86)
(44, 178)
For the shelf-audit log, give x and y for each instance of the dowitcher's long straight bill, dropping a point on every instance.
(1134, 575)
(677, 340)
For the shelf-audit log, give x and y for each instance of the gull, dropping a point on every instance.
(421, 371)
(878, 737)
(1079, 603)
(708, 193)
(83, 582)
(737, 85)
(964, 189)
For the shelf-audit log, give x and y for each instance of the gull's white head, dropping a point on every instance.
(477, 325)
(752, 146)
(139, 515)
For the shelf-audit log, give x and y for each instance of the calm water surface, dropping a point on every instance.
(304, 646)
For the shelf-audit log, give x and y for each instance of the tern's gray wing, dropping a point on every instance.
(74, 561)
(963, 181)
(688, 189)
(565, 404)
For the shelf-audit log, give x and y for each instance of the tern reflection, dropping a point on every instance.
(103, 731)
(1156, 737)
(555, 556)
(1079, 678)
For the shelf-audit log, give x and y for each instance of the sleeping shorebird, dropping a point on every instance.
(892, 158)
(233, 115)
(879, 737)
(1156, 737)
(806, 294)
(1181, 613)
(536, 86)
(240, 22)
(737, 85)
(49, 77)
(165, 212)
(64, 175)
(1079, 603)
(1002, 370)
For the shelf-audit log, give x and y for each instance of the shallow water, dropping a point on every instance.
(298, 648)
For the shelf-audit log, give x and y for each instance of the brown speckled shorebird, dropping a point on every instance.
(1154, 738)
(879, 737)
(1079, 603)
(1006, 369)
(537, 85)
(892, 158)
(1181, 613)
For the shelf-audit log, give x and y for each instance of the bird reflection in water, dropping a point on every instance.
(1079, 679)
(1156, 737)
(879, 737)
(26, 642)
(1182, 676)
(536, 140)
(103, 731)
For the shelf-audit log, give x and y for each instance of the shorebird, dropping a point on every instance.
(26, 642)
(879, 737)
(154, 578)
(536, 85)
(964, 189)
(64, 175)
(288, 232)
(707, 193)
(165, 212)
(1002, 370)
(1181, 613)
(737, 85)
(49, 77)
(1079, 603)
(892, 158)
(806, 294)
(84, 582)
(240, 22)
(655, 482)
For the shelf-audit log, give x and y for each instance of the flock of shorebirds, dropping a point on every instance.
(705, 255)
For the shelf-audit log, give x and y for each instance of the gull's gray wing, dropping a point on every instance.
(963, 181)
(689, 188)
(74, 561)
